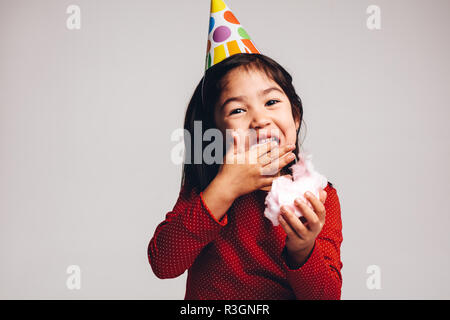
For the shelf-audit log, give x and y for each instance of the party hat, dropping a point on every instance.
(226, 35)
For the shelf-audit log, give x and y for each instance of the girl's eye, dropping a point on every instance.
(272, 102)
(235, 111)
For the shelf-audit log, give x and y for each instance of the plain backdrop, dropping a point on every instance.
(86, 118)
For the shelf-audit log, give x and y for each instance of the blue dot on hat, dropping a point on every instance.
(211, 24)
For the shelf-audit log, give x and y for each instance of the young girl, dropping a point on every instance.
(217, 230)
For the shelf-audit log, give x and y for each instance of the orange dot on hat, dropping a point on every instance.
(229, 16)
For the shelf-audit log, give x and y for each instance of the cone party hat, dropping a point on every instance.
(226, 35)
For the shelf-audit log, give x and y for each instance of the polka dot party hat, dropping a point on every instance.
(226, 35)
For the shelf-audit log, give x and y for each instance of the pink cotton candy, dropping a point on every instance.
(284, 190)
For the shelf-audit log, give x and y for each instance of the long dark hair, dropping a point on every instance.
(204, 100)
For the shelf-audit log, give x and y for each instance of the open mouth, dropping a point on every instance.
(264, 140)
(269, 139)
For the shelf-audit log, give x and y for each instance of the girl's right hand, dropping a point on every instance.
(245, 171)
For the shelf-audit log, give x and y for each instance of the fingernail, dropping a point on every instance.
(307, 193)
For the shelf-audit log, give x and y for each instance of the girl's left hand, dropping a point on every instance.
(301, 237)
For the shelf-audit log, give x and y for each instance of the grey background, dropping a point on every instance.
(86, 118)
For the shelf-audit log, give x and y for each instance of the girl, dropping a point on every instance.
(217, 230)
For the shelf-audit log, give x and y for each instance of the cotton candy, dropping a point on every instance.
(285, 190)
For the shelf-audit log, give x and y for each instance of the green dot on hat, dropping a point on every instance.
(243, 33)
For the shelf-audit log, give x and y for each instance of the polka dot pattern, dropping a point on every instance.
(229, 16)
(209, 61)
(212, 22)
(221, 34)
(243, 33)
(226, 36)
(243, 256)
(217, 5)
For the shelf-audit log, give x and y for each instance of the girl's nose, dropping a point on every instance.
(260, 120)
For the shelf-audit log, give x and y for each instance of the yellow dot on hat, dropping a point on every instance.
(219, 54)
(217, 5)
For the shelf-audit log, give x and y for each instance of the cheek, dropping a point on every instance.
(291, 135)
(287, 125)
(236, 124)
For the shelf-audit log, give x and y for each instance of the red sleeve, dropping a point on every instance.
(178, 240)
(319, 278)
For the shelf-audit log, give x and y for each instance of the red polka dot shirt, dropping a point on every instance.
(243, 255)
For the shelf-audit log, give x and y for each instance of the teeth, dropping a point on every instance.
(265, 140)
(268, 139)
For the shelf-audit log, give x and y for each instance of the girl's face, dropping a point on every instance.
(252, 101)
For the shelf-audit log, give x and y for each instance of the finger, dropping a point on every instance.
(318, 206)
(294, 222)
(261, 149)
(275, 153)
(277, 164)
(258, 150)
(311, 217)
(322, 196)
(289, 232)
